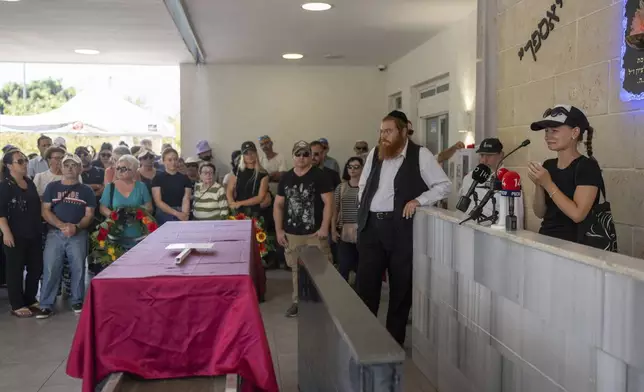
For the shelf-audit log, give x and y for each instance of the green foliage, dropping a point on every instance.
(41, 96)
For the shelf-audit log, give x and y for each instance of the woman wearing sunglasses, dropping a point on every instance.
(20, 224)
(125, 192)
(567, 187)
(345, 217)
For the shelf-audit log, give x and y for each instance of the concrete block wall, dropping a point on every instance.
(492, 314)
(579, 63)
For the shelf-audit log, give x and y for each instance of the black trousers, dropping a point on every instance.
(27, 253)
(386, 244)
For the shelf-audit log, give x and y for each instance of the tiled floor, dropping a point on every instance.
(33, 352)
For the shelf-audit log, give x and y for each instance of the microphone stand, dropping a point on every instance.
(478, 215)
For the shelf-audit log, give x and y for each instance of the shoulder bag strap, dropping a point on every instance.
(602, 188)
(112, 194)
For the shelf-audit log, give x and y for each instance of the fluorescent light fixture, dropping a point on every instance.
(87, 51)
(292, 56)
(10, 1)
(317, 6)
(463, 131)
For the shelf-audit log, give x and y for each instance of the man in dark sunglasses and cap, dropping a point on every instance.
(302, 212)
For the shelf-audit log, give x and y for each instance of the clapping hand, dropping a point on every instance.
(539, 175)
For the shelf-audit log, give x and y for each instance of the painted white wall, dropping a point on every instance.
(452, 51)
(228, 105)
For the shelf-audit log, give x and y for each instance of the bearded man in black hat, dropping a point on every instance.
(398, 177)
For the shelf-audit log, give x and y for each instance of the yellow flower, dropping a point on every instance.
(145, 220)
(110, 251)
(101, 244)
(231, 218)
(261, 236)
(113, 258)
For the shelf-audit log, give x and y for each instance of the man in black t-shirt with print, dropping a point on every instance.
(302, 211)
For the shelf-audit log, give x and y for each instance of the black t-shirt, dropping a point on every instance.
(582, 171)
(333, 176)
(98, 163)
(95, 175)
(303, 207)
(248, 184)
(21, 208)
(173, 187)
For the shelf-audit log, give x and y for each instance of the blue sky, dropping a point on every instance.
(157, 86)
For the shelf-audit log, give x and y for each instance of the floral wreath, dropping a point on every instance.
(265, 242)
(104, 240)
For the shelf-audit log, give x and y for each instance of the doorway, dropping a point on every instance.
(437, 140)
(437, 135)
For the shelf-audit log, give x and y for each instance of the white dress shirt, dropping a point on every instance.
(430, 171)
(277, 164)
(501, 202)
(37, 165)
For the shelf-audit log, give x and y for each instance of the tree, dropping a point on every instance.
(41, 96)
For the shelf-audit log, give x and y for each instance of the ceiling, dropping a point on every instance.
(364, 32)
(125, 31)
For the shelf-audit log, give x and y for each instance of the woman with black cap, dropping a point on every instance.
(567, 187)
(248, 186)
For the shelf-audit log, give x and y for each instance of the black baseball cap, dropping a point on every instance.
(490, 146)
(562, 115)
(81, 150)
(248, 146)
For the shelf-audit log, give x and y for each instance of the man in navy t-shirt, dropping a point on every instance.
(68, 208)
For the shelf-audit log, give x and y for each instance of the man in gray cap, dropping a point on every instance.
(302, 212)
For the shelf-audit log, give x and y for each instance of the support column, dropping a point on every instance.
(485, 122)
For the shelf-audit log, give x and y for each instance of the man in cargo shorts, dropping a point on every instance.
(302, 211)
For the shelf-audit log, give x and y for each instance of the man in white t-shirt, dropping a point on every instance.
(274, 163)
(490, 154)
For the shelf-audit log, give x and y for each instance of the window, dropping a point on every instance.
(428, 93)
(395, 101)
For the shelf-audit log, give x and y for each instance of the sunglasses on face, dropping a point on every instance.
(303, 154)
(70, 165)
(554, 112)
(20, 161)
(354, 167)
(82, 154)
(122, 169)
(106, 155)
(359, 148)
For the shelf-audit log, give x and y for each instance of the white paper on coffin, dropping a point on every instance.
(186, 249)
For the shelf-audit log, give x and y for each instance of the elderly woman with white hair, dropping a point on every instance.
(111, 172)
(124, 192)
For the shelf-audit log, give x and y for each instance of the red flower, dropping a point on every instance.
(240, 216)
(152, 226)
(262, 248)
(102, 234)
(139, 214)
(114, 215)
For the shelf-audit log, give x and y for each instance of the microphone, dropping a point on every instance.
(524, 143)
(499, 177)
(480, 175)
(511, 189)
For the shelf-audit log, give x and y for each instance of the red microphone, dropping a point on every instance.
(511, 185)
(501, 173)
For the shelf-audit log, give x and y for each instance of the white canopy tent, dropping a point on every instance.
(92, 113)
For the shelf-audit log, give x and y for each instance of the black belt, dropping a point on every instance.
(381, 215)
